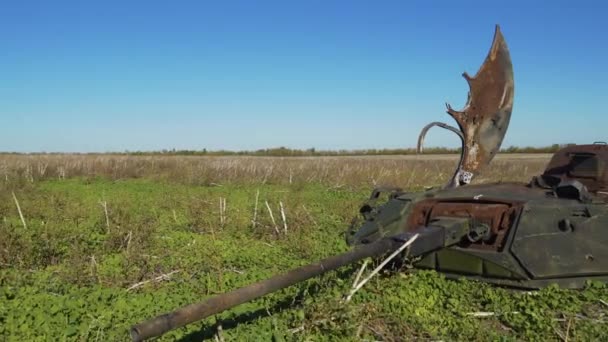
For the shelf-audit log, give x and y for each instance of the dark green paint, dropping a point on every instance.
(554, 239)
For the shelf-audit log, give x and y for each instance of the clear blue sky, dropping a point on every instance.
(148, 75)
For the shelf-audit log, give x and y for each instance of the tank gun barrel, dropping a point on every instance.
(429, 239)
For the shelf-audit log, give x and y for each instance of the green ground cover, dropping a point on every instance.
(66, 276)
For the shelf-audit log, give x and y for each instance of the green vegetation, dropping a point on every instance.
(74, 273)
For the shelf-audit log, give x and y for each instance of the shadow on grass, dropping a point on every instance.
(209, 330)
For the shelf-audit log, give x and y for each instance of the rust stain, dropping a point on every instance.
(499, 216)
(484, 120)
(485, 117)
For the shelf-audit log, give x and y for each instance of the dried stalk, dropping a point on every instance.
(104, 205)
(19, 210)
(157, 279)
(377, 269)
(128, 240)
(568, 329)
(222, 211)
(255, 208)
(93, 267)
(218, 335)
(482, 314)
(272, 218)
(358, 277)
(174, 215)
(283, 217)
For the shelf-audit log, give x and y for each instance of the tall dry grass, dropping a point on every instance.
(406, 171)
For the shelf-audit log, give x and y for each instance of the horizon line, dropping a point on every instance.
(302, 151)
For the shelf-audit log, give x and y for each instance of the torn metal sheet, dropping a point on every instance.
(484, 120)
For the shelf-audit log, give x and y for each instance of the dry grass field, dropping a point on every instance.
(91, 244)
(361, 172)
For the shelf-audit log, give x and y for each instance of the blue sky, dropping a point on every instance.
(87, 76)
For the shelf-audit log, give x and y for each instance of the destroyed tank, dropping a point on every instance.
(551, 230)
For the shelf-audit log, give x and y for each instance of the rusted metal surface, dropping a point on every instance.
(485, 118)
(486, 115)
(499, 217)
(585, 163)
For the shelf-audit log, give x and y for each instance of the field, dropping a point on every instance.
(91, 244)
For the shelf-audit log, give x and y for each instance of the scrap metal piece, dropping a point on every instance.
(457, 172)
(485, 118)
(431, 125)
